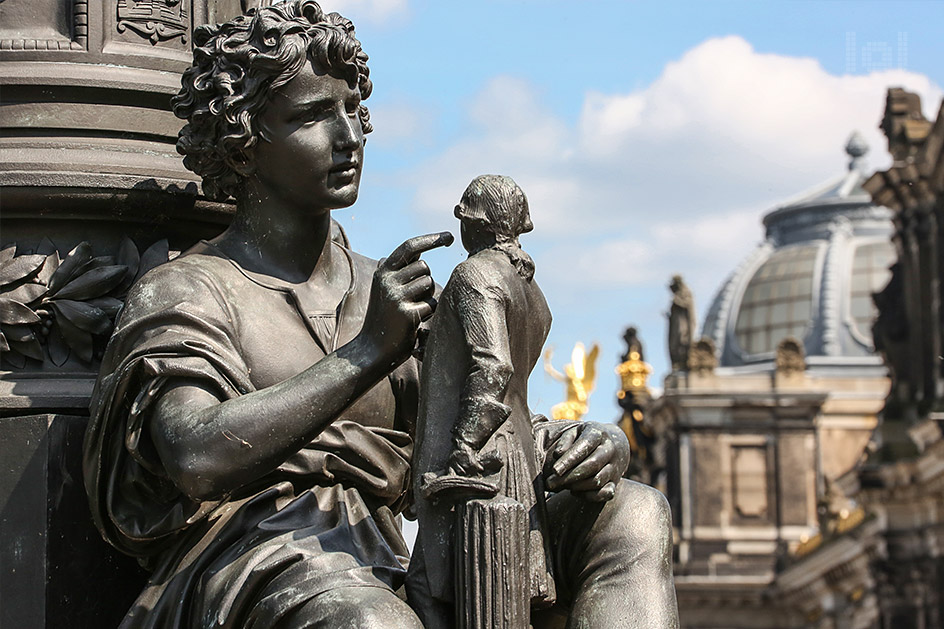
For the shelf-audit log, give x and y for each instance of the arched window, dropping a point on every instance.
(778, 300)
(870, 273)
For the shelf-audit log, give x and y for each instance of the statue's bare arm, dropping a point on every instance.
(211, 447)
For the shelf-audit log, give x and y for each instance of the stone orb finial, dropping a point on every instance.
(856, 148)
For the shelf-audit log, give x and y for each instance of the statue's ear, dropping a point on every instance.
(242, 163)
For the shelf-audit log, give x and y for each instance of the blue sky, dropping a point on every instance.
(650, 137)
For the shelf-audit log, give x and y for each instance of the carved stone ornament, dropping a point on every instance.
(702, 358)
(17, 29)
(51, 308)
(156, 20)
(791, 357)
(682, 322)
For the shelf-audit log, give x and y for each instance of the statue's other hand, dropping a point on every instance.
(588, 459)
(401, 297)
(466, 461)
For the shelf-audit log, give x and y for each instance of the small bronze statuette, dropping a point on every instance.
(521, 520)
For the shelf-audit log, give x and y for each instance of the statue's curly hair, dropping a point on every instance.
(237, 66)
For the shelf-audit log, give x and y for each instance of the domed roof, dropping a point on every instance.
(812, 278)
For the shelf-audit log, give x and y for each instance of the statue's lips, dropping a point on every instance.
(347, 170)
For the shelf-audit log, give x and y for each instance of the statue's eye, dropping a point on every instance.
(314, 114)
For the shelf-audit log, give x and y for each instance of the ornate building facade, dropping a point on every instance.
(805, 459)
(772, 415)
(902, 483)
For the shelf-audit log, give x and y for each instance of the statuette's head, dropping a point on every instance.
(496, 204)
(494, 212)
(289, 78)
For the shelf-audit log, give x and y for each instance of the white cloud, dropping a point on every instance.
(671, 178)
(679, 172)
(402, 124)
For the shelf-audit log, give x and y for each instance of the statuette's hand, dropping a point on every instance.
(401, 297)
(588, 459)
(466, 461)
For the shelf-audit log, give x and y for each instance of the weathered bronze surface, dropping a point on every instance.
(251, 432)
(596, 549)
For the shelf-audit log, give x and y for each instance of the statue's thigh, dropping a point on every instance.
(363, 607)
(597, 542)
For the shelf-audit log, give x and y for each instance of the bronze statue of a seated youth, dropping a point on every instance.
(251, 432)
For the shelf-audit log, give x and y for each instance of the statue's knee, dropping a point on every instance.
(646, 513)
(366, 607)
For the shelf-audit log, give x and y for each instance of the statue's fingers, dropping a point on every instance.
(412, 248)
(420, 288)
(565, 441)
(424, 309)
(412, 271)
(561, 444)
(590, 467)
(604, 476)
(586, 442)
(600, 495)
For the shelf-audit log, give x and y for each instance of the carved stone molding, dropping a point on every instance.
(840, 231)
(77, 41)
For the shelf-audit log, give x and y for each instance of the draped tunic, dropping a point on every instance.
(323, 519)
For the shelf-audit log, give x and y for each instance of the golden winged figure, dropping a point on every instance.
(579, 376)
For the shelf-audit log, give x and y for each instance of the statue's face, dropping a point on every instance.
(315, 148)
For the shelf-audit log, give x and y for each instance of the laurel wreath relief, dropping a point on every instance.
(51, 308)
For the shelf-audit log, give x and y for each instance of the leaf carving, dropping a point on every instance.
(94, 263)
(27, 293)
(76, 258)
(29, 348)
(77, 339)
(109, 305)
(20, 268)
(153, 256)
(46, 247)
(7, 253)
(93, 283)
(15, 358)
(18, 333)
(82, 315)
(128, 256)
(56, 346)
(4, 346)
(13, 312)
(49, 268)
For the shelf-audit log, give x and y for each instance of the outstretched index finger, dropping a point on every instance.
(411, 249)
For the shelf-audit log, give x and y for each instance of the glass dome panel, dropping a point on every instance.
(778, 300)
(870, 273)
